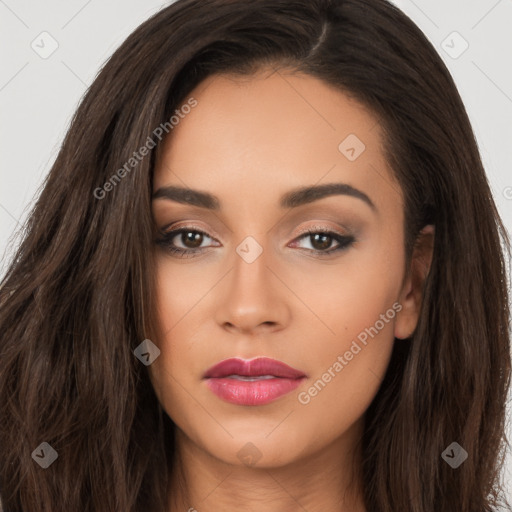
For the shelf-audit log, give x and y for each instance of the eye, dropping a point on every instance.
(190, 238)
(321, 241)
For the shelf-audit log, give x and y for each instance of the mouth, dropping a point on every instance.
(252, 382)
(249, 378)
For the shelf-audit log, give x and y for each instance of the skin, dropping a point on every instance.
(249, 141)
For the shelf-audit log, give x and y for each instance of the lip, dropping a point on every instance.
(279, 380)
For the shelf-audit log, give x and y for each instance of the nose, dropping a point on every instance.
(253, 298)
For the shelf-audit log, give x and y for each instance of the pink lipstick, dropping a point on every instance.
(252, 382)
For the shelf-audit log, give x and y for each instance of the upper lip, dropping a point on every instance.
(253, 368)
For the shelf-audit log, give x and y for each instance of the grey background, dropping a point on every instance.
(39, 95)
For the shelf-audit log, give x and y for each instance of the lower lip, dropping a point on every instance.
(258, 392)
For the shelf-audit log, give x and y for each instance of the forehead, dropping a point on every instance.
(261, 135)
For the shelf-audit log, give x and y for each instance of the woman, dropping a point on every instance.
(265, 271)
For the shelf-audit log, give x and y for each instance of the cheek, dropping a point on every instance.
(357, 311)
(341, 392)
(178, 292)
(185, 298)
(180, 288)
(349, 364)
(344, 300)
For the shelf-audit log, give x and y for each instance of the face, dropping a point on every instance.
(266, 268)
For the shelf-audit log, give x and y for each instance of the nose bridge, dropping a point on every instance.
(251, 265)
(253, 295)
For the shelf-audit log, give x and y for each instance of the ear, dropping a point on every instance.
(412, 290)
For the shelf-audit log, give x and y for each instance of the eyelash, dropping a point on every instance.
(344, 241)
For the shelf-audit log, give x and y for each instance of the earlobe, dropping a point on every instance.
(412, 290)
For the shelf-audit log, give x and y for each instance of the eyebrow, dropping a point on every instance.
(292, 199)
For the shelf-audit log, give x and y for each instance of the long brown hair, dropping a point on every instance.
(77, 297)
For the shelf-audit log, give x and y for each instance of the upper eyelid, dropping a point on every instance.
(325, 229)
(165, 229)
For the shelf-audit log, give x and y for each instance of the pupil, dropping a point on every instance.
(326, 241)
(195, 239)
